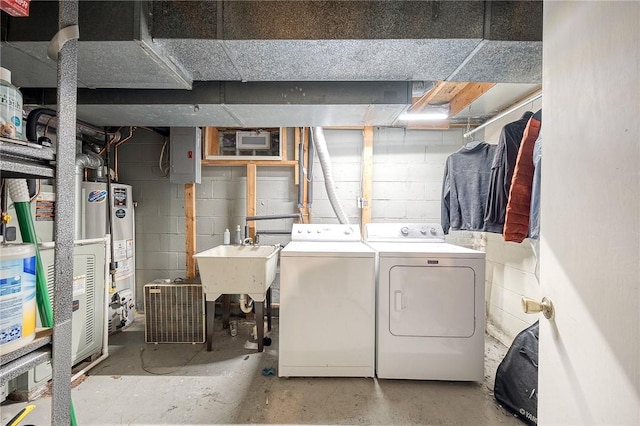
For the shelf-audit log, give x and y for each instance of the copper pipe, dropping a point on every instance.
(115, 136)
(131, 129)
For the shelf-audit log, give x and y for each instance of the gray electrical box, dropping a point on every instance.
(185, 155)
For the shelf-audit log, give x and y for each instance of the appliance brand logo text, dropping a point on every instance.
(97, 196)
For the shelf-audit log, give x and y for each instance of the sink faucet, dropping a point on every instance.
(247, 242)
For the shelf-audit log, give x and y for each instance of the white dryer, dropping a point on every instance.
(430, 304)
(327, 303)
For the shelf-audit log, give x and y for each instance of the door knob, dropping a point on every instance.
(545, 306)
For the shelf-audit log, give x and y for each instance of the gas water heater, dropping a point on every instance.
(98, 212)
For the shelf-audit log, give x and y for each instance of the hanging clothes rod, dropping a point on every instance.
(502, 114)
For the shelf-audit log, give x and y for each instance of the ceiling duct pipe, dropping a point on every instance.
(325, 165)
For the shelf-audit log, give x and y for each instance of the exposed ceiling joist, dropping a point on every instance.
(425, 99)
(469, 93)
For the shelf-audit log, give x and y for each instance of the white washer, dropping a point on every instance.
(430, 304)
(327, 303)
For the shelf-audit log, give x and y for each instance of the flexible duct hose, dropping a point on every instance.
(32, 122)
(325, 164)
(310, 175)
(19, 193)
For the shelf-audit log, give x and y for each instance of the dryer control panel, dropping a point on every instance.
(325, 232)
(405, 232)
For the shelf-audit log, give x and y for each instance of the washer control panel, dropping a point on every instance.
(410, 232)
(325, 232)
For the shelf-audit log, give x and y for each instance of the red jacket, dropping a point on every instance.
(516, 223)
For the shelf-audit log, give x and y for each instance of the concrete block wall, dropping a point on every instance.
(159, 210)
(511, 275)
(408, 167)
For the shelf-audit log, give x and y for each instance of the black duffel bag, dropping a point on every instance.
(516, 385)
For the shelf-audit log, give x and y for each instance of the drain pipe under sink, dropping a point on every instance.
(246, 304)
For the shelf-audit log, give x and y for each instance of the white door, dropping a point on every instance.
(590, 230)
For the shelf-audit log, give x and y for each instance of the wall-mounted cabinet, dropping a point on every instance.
(242, 144)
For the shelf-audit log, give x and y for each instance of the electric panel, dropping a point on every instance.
(185, 155)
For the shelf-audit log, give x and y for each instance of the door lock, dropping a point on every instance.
(545, 306)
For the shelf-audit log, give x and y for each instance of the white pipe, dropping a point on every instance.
(90, 241)
(246, 307)
(52, 244)
(325, 163)
(503, 113)
(105, 326)
(18, 190)
(104, 356)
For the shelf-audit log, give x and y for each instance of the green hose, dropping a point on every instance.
(72, 416)
(28, 232)
(27, 229)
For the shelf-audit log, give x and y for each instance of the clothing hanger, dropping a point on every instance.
(471, 143)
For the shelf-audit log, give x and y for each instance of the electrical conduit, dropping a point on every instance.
(325, 164)
(113, 265)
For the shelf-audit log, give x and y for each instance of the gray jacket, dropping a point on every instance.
(465, 188)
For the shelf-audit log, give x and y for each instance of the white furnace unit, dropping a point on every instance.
(327, 303)
(430, 304)
(88, 307)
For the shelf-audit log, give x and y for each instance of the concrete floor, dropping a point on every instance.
(181, 384)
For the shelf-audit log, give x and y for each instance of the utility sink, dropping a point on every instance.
(246, 269)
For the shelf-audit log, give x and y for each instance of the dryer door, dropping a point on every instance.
(431, 301)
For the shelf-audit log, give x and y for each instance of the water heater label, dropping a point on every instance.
(119, 251)
(97, 196)
(129, 249)
(119, 197)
